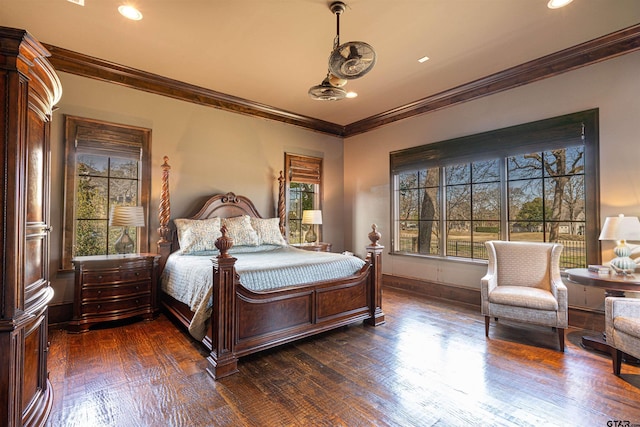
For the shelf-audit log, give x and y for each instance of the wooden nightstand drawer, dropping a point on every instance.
(98, 277)
(114, 287)
(97, 292)
(116, 307)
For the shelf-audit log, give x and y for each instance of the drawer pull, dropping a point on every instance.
(137, 273)
(99, 277)
(99, 292)
(99, 307)
(137, 288)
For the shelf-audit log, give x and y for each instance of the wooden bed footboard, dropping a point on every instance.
(243, 321)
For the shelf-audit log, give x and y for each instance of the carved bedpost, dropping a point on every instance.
(164, 214)
(282, 209)
(374, 256)
(222, 359)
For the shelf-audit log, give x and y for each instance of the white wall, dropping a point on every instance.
(612, 86)
(210, 151)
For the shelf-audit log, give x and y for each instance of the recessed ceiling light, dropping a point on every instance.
(130, 12)
(351, 94)
(78, 2)
(423, 59)
(557, 4)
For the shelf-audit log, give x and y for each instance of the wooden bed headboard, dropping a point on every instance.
(220, 205)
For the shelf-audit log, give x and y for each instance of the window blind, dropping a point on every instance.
(307, 170)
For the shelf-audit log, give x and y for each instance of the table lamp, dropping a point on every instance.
(621, 228)
(311, 217)
(125, 217)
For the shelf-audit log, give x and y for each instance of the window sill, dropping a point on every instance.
(456, 260)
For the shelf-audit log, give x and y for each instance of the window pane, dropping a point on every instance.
(430, 177)
(91, 198)
(459, 239)
(428, 237)
(408, 205)
(482, 232)
(574, 245)
(458, 202)
(458, 174)
(522, 231)
(123, 191)
(91, 237)
(525, 200)
(487, 171)
(408, 180)
(524, 166)
(486, 201)
(92, 165)
(124, 168)
(566, 161)
(429, 203)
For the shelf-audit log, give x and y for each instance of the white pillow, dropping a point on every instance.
(268, 230)
(240, 230)
(198, 236)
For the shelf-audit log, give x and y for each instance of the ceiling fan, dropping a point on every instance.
(347, 61)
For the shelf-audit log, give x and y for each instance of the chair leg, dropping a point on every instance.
(561, 339)
(486, 325)
(616, 357)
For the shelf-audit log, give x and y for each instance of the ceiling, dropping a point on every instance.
(272, 52)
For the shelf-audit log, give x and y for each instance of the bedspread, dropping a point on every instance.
(189, 278)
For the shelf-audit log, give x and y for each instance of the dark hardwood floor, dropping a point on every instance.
(430, 364)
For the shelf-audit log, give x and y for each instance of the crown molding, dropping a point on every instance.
(582, 55)
(600, 49)
(95, 68)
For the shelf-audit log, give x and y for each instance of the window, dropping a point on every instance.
(106, 165)
(532, 182)
(304, 181)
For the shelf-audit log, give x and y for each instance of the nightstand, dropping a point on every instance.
(113, 287)
(316, 247)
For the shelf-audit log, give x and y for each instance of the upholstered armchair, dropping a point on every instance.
(523, 284)
(622, 326)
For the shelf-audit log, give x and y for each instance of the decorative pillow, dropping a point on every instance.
(198, 236)
(240, 230)
(268, 230)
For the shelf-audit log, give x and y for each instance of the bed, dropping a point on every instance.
(244, 318)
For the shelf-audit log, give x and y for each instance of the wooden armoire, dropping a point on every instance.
(29, 87)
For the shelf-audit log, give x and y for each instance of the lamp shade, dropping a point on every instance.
(127, 216)
(312, 217)
(620, 228)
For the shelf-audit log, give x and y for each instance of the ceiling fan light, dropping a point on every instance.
(325, 91)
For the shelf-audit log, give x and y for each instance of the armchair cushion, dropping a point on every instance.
(521, 296)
